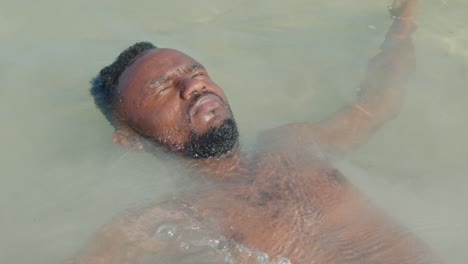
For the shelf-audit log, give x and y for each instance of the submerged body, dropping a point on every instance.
(289, 205)
(285, 200)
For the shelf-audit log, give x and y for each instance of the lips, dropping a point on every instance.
(205, 103)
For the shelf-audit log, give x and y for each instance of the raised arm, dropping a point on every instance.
(381, 94)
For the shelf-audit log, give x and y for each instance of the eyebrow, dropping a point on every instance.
(166, 77)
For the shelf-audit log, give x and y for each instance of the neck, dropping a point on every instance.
(226, 167)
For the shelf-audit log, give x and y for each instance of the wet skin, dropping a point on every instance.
(166, 94)
(286, 199)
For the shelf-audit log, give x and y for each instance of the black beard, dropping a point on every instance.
(213, 143)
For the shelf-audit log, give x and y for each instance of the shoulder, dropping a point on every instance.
(290, 139)
(129, 236)
(144, 222)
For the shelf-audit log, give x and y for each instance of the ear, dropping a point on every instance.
(128, 139)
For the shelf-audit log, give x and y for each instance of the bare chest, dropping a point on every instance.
(279, 210)
(307, 213)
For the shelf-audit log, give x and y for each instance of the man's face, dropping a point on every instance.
(169, 97)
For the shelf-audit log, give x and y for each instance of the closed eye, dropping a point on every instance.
(163, 89)
(198, 74)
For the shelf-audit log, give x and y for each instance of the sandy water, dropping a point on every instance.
(61, 177)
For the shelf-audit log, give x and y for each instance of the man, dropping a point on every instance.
(285, 202)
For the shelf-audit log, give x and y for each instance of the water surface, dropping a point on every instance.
(62, 178)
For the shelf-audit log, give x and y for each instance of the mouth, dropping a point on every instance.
(205, 103)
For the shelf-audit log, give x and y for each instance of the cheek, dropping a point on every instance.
(171, 113)
(169, 125)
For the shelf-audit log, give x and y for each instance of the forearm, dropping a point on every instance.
(381, 94)
(383, 88)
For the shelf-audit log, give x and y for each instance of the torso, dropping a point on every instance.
(288, 205)
(279, 208)
(304, 210)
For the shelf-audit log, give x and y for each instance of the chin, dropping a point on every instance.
(216, 141)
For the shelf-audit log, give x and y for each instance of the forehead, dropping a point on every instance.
(156, 62)
(162, 59)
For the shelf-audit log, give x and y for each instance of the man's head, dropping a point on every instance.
(167, 97)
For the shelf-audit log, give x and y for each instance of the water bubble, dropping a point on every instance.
(198, 241)
(262, 258)
(283, 261)
(184, 246)
(223, 245)
(242, 248)
(228, 259)
(195, 228)
(213, 243)
(166, 231)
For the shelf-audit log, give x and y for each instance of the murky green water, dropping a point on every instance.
(61, 176)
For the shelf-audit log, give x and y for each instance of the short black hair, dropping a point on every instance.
(104, 84)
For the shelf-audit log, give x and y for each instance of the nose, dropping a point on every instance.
(190, 86)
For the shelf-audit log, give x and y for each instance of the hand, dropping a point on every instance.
(404, 14)
(403, 9)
